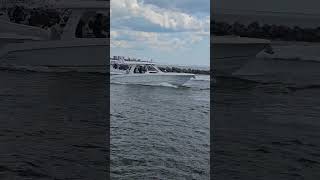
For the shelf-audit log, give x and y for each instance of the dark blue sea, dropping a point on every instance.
(160, 132)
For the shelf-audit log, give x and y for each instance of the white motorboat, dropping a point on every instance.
(230, 53)
(67, 52)
(146, 73)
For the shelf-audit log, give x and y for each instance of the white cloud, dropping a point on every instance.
(190, 6)
(164, 18)
(139, 26)
(120, 44)
(113, 34)
(158, 41)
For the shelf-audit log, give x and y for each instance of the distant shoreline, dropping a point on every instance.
(184, 70)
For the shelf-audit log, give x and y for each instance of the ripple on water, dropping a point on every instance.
(159, 132)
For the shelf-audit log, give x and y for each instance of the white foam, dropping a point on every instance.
(201, 78)
(167, 85)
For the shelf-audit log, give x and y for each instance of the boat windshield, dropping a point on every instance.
(140, 69)
(120, 66)
(151, 68)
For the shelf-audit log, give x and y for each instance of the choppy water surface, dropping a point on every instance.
(160, 132)
(266, 130)
(53, 126)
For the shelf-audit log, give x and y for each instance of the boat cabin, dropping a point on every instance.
(136, 67)
(144, 69)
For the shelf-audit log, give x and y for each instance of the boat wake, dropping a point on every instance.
(164, 84)
(201, 78)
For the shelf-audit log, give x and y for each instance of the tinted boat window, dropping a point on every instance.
(151, 68)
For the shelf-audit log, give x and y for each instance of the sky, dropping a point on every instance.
(166, 31)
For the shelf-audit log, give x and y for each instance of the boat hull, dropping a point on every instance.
(176, 79)
(56, 56)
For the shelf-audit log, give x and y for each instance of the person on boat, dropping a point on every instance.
(136, 70)
(140, 69)
(115, 66)
(18, 14)
(143, 69)
(79, 30)
(98, 27)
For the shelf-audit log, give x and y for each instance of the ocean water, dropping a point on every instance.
(266, 125)
(160, 132)
(53, 125)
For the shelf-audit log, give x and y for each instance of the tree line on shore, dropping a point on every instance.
(184, 70)
(266, 31)
(173, 69)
